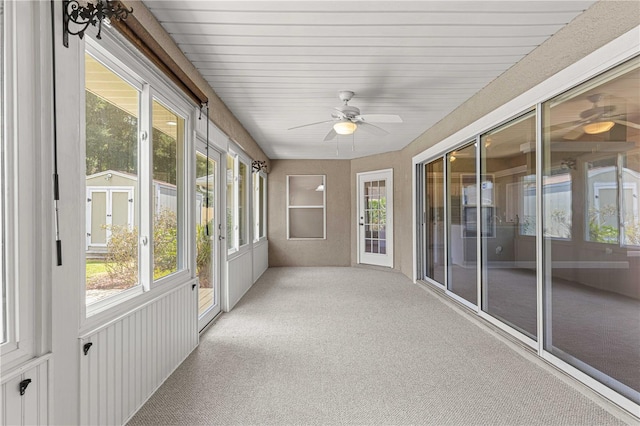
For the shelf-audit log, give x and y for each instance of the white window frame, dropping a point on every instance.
(182, 178)
(247, 202)
(238, 158)
(233, 223)
(259, 181)
(323, 207)
(127, 63)
(4, 295)
(22, 122)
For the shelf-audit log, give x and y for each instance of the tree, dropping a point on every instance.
(111, 137)
(165, 164)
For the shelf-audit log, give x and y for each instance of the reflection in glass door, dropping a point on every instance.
(509, 239)
(434, 220)
(591, 228)
(463, 229)
(207, 241)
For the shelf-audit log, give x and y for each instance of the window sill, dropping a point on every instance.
(112, 301)
(238, 252)
(101, 314)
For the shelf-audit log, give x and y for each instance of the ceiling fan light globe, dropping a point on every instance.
(598, 127)
(345, 127)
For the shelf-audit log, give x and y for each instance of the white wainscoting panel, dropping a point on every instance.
(239, 277)
(32, 408)
(131, 357)
(260, 259)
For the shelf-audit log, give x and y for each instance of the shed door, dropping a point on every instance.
(106, 208)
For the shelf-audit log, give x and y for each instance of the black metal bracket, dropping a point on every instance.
(86, 347)
(23, 385)
(83, 16)
(259, 165)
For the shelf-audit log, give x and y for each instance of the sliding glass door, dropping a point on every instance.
(508, 186)
(434, 223)
(462, 204)
(547, 231)
(591, 204)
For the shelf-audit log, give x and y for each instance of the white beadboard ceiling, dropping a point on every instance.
(280, 64)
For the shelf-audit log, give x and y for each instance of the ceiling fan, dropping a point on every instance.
(347, 119)
(595, 120)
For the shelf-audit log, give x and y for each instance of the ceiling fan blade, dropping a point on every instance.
(338, 114)
(562, 126)
(627, 123)
(368, 127)
(310, 124)
(379, 118)
(332, 134)
(573, 134)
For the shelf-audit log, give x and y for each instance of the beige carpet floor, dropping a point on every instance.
(358, 346)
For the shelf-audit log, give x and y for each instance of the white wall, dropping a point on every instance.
(131, 357)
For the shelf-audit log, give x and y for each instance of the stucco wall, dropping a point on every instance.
(335, 249)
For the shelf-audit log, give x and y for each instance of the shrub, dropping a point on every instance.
(122, 256)
(203, 257)
(122, 250)
(165, 244)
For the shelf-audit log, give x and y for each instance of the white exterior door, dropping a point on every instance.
(375, 218)
(208, 225)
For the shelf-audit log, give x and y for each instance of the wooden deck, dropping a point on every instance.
(205, 299)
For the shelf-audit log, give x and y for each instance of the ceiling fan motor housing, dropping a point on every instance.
(349, 111)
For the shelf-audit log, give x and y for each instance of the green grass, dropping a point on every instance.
(99, 267)
(95, 268)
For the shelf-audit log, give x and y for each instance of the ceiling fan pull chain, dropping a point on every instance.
(353, 142)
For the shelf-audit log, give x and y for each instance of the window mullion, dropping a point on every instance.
(145, 162)
(236, 202)
(620, 200)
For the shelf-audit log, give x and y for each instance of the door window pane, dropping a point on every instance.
(591, 288)
(111, 182)
(509, 247)
(375, 216)
(462, 205)
(205, 231)
(434, 221)
(168, 139)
